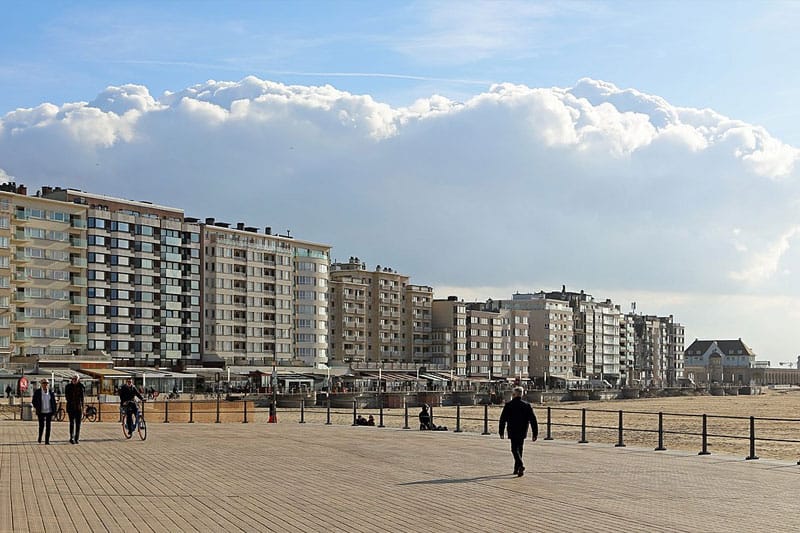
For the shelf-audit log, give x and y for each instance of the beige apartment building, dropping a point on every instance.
(143, 292)
(658, 350)
(265, 297)
(43, 278)
(378, 316)
(449, 335)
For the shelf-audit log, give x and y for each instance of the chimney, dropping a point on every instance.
(209, 222)
(23, 190)
(268, 230)
(46, 190)
(240, 226)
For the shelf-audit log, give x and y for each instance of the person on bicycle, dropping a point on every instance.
(74, 392)
(127, 392)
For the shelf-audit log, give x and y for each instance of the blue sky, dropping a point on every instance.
(658, 140)
(738, 58)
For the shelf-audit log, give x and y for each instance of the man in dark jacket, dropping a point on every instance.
(44, 402)
(518, 414)
(74, 392)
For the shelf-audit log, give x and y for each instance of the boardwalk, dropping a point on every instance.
(313, 477)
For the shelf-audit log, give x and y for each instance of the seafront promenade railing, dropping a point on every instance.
(730, 435)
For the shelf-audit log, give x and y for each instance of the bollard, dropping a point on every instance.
(583, 427)
(432, 422)
(270, 409)
(705, 451)
(328, 423)
(191, 411)
(245, 411)
(405, 407)
(355, 413)
(166, 412)
(549, 425)
(303, 411)
(380, 406)
(273, 413)
(619, 443)
(486, 419)
(99, 409)
(458, 419)
(661, 447)
(752, 440)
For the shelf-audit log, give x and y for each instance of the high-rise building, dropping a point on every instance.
(658, 350)
(377, 316)
(143, 293)
(42, 275)
(265, 297)
(449, 334)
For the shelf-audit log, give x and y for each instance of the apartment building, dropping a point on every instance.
(42, 275)
(378, 316)
(265, 297)
(449, 334)
(658, 350)
(143, 293)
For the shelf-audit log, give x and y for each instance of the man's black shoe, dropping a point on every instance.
(521, 471)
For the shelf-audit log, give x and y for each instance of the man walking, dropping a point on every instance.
(518, 414)
(44, 402)
(74, 391)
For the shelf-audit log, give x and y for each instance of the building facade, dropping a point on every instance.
(264, 297)
(43, 275)
(449, 332)
(143, 293)
(377, 316)
(658, 350)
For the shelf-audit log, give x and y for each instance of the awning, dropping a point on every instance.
(434, 377)
(106, 373)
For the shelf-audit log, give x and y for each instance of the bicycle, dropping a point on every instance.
(139, 423)
(90, 413)
(60, 412)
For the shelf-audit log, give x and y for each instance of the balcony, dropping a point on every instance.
(77, 300)
(75, 242)
(21, 257)
(19, 237)
(20, 316)
(77, 338)
(21, 277)
(21, 297)
(78, 223)
(77, 320)
(78, 281)
(79, 262)
(21, 217)
(21, 338)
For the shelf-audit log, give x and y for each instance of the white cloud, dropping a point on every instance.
(590, 185)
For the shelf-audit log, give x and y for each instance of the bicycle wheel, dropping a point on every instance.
(60, 414)
(142, 428)
(91, 413)
(128, 434)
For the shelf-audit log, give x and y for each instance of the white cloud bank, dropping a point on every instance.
(592, 186)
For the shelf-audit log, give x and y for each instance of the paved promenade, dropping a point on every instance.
(313, 477)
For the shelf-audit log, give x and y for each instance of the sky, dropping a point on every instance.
(642, 152)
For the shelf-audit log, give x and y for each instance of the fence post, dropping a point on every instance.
(620, 443)
(244, 401)
(549, 425)
(486, 420)
(583, 427)
(660, 447)
(217, 422)
(405, 407)
(705, 451)
(355, 407)
(302, 411)
(752, 440)
(166, 412)
(191, 411)
(380, 406)
(458, 419)
(99, 409)
(328, 423)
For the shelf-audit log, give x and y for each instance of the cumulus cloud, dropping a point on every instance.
(590, 185)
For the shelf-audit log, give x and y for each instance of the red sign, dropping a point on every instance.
(23, 384)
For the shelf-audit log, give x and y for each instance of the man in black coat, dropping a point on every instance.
(74, 392)
(518, 414)
(44, 402)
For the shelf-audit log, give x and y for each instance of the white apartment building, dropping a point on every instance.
(658, 350)
(265, 297)
(143, 292)
(42, 276)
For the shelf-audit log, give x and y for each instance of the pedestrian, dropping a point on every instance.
(74, 392)
(8, 391)
(44, 402)
(518, 414)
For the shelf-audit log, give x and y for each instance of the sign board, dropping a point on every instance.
(23, 384)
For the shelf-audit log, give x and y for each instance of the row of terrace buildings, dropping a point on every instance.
(148, 286)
